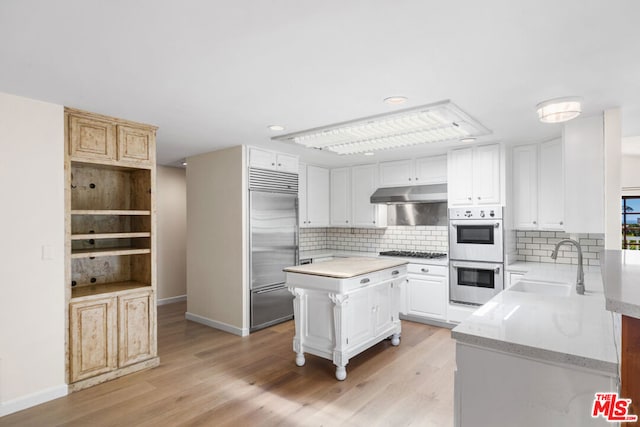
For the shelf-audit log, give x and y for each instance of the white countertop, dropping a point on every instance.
(574, 330)
(621, 277)
(344, 268)
(321, 253)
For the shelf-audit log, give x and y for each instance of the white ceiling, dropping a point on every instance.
(213, 74)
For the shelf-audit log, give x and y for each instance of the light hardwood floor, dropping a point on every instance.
(211, 378)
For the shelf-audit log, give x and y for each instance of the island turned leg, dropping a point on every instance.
(395, 339)
(298, 319)
(340, 358)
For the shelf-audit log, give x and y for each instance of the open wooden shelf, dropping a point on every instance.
(93, 252)
(106, 288)
(110, 235)
(109, 212)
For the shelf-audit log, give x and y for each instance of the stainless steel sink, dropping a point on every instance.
(543, 288)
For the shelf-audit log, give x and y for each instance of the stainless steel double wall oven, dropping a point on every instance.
(476, 253)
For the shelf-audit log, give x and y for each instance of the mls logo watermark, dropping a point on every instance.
(610, 407)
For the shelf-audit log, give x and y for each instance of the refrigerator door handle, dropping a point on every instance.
(269, 289)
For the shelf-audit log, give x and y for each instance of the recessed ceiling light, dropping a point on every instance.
(184, 163)
(468, 139)
(276, 127)
(395, 100)
(559, 110)
(369, 153)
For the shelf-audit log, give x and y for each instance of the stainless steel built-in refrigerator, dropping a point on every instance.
(273, 228)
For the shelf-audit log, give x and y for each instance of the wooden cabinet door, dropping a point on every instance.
(486, 175)
(396, 173)
(318, 198)
(460, 177)
(525, 187)
(364, 181)
(92, 338)
(136, 326)
(551, 185)
(431, 170)
(340, 197)
(136, 146)
(91, 139)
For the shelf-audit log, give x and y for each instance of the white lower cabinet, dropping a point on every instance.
(427, 292)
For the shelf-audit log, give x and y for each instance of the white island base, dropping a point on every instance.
(340, 315)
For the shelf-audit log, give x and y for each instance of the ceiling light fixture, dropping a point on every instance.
(559, 110)
(184, 163)
(442, 121)
(276, 127)
(468, 139)
(369, 153)
(395, 100)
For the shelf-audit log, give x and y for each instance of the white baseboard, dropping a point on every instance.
(243, 332)
(171, 300)
(33, 399)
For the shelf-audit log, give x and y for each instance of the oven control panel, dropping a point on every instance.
(476, 212)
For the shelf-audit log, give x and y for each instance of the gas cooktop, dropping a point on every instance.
(413, 254)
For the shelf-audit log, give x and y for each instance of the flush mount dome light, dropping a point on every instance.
(276, 127)
(439, 122)
(559, 110)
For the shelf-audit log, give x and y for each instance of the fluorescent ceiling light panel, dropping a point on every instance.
(442, 121)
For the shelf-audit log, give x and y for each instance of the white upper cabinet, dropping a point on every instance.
(460, 187)
(486, 175)
(474, 176)
(431, 170)
(551, 185)
(423, 170)
(340, 197)
(525, 186)
(583, 141)
(538, 189)
(364, 181)
(397, 173)
(313, 196)
(265, 159)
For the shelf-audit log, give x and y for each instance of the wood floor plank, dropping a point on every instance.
(209, 377)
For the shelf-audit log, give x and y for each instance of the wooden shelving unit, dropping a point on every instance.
(110, 228)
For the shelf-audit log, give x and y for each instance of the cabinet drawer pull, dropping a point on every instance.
(395, 272)
(365, 280)
(425, 270)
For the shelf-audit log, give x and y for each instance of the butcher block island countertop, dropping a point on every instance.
(344, 306)
(345, 268)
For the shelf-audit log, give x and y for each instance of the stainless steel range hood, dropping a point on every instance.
(432, 193)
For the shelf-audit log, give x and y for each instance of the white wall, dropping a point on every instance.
(171, 203)
(612, 178)
(630, 175)
(216, 240)
(32, 289)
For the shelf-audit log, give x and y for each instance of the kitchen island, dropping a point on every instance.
(344, 306)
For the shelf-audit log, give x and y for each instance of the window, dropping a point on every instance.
(631, 222)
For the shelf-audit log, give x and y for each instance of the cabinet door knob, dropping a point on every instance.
(535, 222)
(409, 179)
(469, 198)
(425, 270)
(279, 164)
(478, 197)
(273, 164)
(374, 222)
(347, 221)
(561, 222)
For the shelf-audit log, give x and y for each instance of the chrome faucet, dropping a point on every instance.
(580, 279)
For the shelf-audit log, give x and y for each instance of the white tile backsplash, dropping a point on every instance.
(538, 245)
(408, 238)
